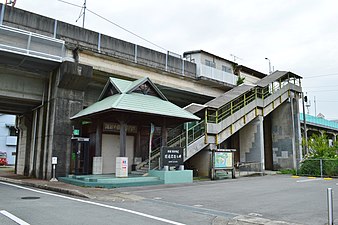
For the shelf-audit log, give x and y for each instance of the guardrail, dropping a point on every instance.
(31, 44)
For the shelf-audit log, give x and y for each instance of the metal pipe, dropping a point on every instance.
(321, 167)
(99, 43)
(135, 58)
(2, 15)
(47, 126)
(55, 28)
(166, 61)
(330, 206)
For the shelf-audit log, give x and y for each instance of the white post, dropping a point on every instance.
(330, 206)
(54, 162)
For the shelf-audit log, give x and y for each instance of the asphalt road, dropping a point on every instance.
(283, 198)
(298, 200)
(31, 206)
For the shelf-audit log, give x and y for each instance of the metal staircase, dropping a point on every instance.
(230, 112)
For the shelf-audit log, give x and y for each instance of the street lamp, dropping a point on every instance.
(269, 65)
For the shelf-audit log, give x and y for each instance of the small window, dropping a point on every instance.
(12, 131)
(226, 69)
(210, 63)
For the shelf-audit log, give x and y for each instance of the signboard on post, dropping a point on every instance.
(171, 156)
(121, 167)
(54, 160)
(222, 160)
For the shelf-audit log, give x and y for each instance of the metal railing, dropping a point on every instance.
(217, 115)
(31, 44)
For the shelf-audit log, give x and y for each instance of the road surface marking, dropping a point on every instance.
(295, 176)
(14, 218)
(327, 178)
(301, 181)
(97, 204)
(197, 205)
(311, 177)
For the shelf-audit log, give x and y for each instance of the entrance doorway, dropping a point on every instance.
(80, 156)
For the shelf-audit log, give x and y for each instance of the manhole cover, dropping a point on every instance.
(30, 197)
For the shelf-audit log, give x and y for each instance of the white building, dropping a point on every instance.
(210, 66)
(8, 138)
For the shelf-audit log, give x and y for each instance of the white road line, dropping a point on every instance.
(309, 180)
(98, 204)
(14, 218)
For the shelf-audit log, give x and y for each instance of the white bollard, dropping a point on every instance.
(330, 206)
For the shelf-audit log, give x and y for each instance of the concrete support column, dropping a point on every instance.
(286, 135)
(138, 142)
(164, 133)
(252, 142)
(123, 138)
(98, 139)
(24, 147)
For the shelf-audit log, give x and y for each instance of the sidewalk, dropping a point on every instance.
(115, 195)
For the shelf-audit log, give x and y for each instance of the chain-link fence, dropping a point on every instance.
(318, 167)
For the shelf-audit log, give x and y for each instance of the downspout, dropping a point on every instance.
(47, 127)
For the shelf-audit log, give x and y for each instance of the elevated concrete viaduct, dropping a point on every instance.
(51, 70)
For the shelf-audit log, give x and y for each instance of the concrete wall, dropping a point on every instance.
(200, 163)
(87, 39)
(283, 137)
(5, 146)
(252, 141)
(249, 79)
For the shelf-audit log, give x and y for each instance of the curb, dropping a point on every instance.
(46, 187)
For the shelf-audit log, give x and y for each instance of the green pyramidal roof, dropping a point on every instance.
(126, 99)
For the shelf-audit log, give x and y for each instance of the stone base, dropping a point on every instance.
(173, 177)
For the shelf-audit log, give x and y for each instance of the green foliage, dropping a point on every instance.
(287, 171)
(240, 80)
(319, 149)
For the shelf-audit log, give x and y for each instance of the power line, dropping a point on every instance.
(319, 86)
(115, 24)
(324, 90)
(322, 75)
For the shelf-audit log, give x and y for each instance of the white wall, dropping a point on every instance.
(249, 79)
(7, 143)
(111, 150)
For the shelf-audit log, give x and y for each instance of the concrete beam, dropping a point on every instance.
(125, 71)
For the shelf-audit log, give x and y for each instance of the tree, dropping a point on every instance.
(319, 148)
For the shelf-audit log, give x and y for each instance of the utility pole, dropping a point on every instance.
(304, 99)
(269, 65)
(84, 13)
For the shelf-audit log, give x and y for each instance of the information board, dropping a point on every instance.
(171, 156)
(223, 160)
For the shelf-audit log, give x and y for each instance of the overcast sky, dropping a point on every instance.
(300, 36)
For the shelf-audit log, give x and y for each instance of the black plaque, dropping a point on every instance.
(171, 156)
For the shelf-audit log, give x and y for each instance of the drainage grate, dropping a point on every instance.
(30, 198)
